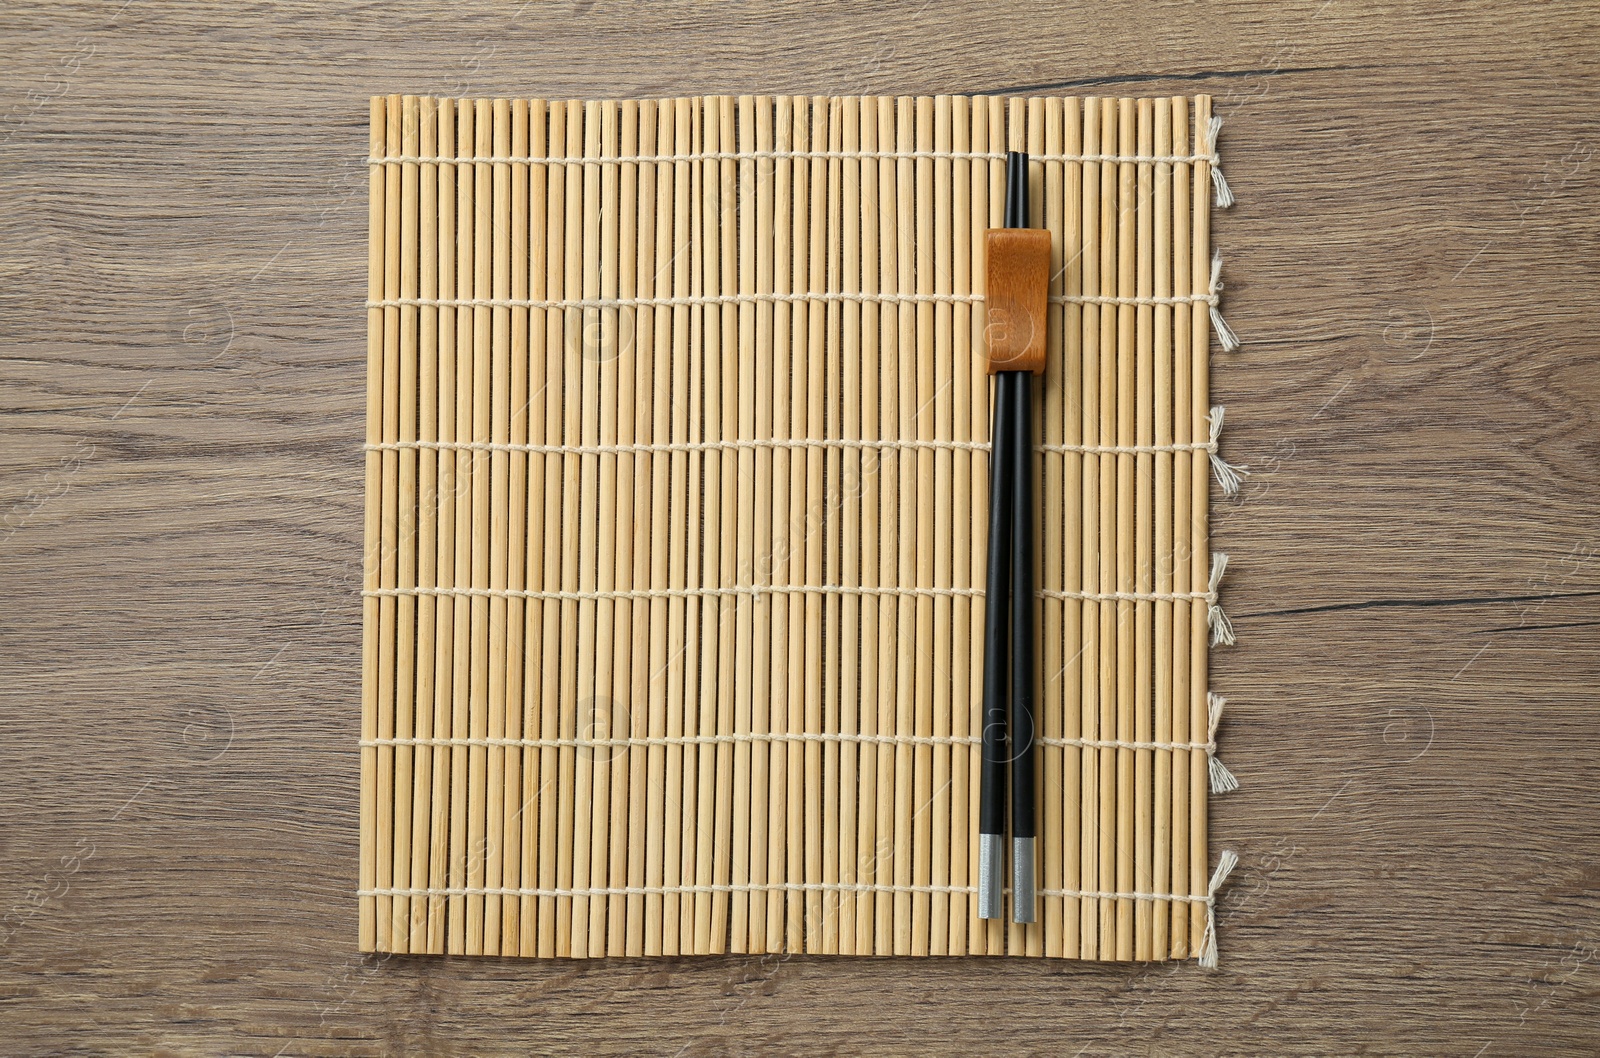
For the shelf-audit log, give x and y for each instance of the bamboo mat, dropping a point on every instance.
(676, 503)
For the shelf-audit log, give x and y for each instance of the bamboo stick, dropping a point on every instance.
(427, 514)
(1043, 211)
(1089, 708)
(516, 284)
(826, 928)
(388, 563)
(1106, 516)
(962, 380)
(371, 606)
(498, 521)
(444, 638)
(889, 770)
(1199, 483)
(892, 762)
(1143, 534)
(924, 375)
(471, 513)
(461, 660)
(744, 605)
(1127, 572)
(978, 416)
(1074, 491)
(1182, 497)
(654, 275)
(996, 930)
(597, 535)
(482, 610)
(783, 675)
(677, 912)
(691, 198)
(727, 178)
(555, 765)
(941, 498)
(709, 199)
(535, 704)
(1161, 798)
(847, 487)
(583, 272)
(905, 534)
(440, 412)
(628, 657)
(867, 857)
(640, 706)
(733, 372)
(676, 426)
(1109, 630)
(1053, 532)
(406, 532)
(511, 275)
(815, 516)
(573, 776)
(600, 350)
(766, 358)
(461, 575)
(799, 659)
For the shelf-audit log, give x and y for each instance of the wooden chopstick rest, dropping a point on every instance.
(1017, 295)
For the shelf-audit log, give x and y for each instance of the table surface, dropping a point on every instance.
(1416, 575)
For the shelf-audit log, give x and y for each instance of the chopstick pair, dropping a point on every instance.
(1018, 261)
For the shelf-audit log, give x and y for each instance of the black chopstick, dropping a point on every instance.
(1021, 725)
(991, 777)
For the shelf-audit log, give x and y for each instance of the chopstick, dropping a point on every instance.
(991, 777)
(1021, 721)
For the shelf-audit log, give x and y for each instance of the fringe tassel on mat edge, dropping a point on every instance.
(1225, 334)
(1208, 940)
(1222, 780)
(1219, 183)
(1228, 474)
(1221, 627)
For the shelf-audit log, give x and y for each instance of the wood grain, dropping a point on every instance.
(1416, 557)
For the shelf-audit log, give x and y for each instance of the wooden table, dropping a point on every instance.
(1416, 576)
